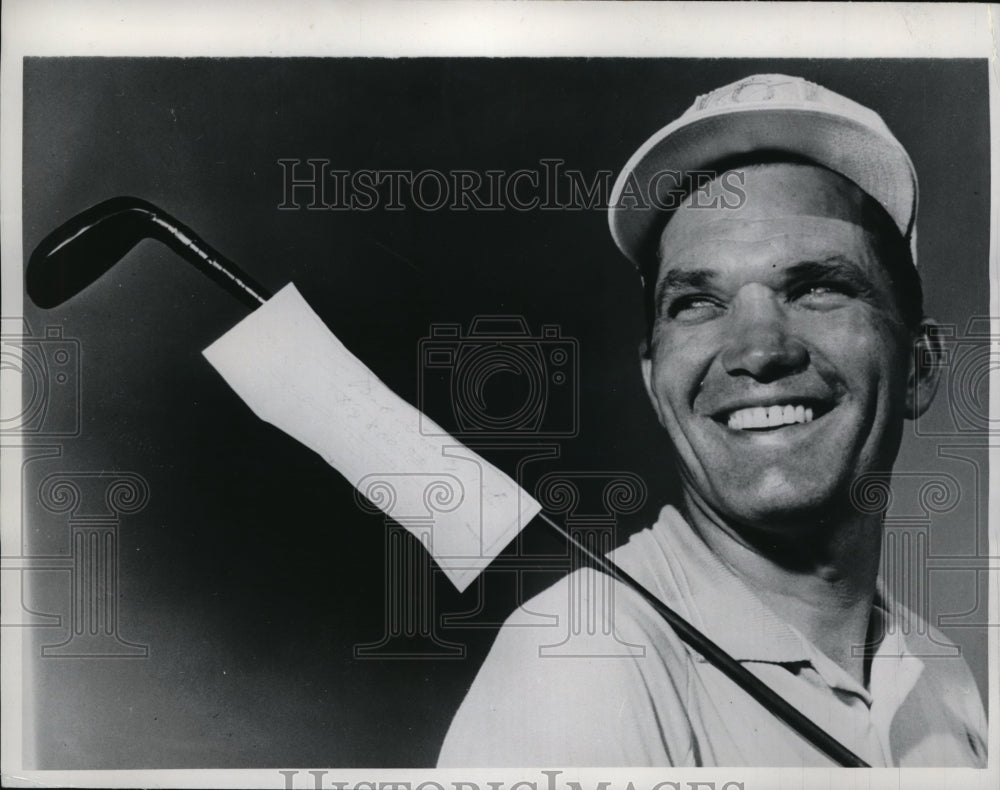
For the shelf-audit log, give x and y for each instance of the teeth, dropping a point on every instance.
(769, 416)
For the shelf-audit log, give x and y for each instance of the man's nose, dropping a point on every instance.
(762, 346)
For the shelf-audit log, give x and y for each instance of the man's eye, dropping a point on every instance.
(822, 294)
(693, 308)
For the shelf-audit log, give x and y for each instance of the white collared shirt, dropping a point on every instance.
(624, 690)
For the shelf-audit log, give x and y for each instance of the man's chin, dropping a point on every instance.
(786, 510)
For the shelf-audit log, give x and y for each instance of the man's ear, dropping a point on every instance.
(646, 363)
(926, 361)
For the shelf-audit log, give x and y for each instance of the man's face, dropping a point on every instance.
(778, 364)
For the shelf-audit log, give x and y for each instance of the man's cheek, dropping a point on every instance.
(672, 403)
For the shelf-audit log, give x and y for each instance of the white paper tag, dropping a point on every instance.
(295, 374)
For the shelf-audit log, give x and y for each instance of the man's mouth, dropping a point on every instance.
(778, 415)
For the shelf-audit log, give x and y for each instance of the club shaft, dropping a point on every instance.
(720, 659)
(195, 250)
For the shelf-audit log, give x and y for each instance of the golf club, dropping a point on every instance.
(81, 250)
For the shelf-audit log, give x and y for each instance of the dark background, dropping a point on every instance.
(251, 574)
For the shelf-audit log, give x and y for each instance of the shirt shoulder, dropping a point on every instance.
(948, 690)
(606, 684)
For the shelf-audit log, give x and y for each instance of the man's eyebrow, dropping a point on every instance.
(837, 266)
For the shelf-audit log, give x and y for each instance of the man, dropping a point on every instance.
(785, 313)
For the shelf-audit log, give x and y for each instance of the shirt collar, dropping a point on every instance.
(709, 595)
(895, 667)
(893, 670)
(716, 601)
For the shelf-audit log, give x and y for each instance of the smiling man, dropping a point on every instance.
(781, 360)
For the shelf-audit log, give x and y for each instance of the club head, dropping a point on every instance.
(82, 249)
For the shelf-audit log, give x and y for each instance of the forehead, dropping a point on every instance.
(784, 212)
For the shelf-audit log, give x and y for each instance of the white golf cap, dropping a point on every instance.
(775, 115)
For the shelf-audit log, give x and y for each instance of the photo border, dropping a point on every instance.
(471, 29)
